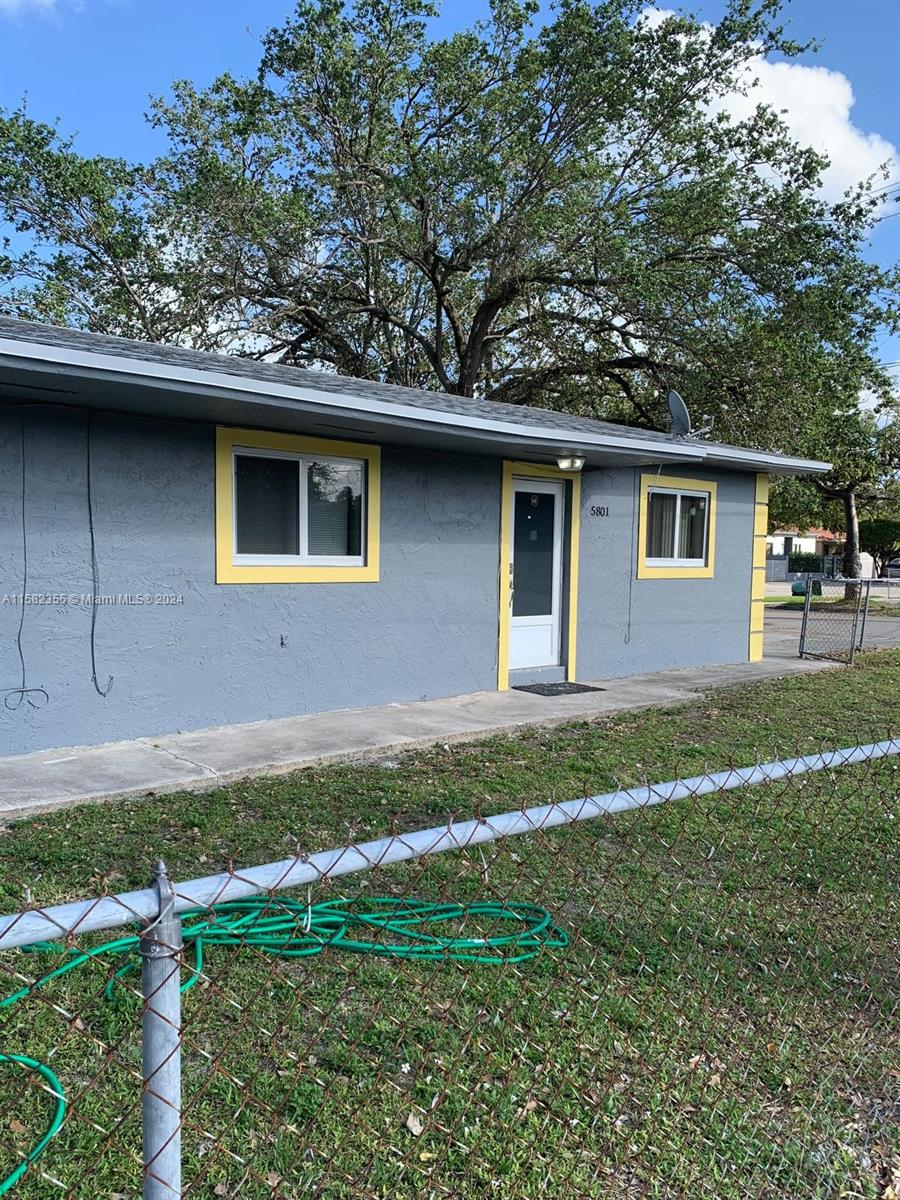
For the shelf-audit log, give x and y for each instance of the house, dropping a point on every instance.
(807, 541)
(783, 544)
(204, 540)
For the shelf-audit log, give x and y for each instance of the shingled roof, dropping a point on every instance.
(29, 348)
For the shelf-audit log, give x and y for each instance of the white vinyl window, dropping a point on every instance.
(298, 509)
(677, 528)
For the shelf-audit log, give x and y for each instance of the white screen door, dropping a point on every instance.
(536, 574)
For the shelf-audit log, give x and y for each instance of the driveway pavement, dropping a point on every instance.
(783, 631)
(52, 779)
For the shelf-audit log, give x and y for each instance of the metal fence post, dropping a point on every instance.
(865, 613)
(856, 614)
(806, 596)
(161, 1046)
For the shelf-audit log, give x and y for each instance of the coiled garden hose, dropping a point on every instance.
(281, 925)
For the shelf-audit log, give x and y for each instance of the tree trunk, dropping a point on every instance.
(852, 562)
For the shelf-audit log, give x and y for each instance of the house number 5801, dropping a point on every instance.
(599, 510)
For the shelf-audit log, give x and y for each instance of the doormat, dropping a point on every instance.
(556, 689)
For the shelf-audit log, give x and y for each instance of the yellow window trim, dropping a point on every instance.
(522, 470)
(226, 571)
(680, 484)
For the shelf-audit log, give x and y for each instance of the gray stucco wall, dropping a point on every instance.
(627, 625)
(429, 628)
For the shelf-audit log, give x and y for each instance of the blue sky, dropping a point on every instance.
(94, 63)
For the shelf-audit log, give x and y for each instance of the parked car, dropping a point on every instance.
(891, 570)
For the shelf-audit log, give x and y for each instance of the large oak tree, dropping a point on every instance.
(554, 212)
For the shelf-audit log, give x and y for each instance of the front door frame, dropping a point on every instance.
(524, 470)
(555, 488)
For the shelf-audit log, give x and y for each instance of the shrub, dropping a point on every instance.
(805, 562)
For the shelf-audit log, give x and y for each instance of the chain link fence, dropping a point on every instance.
(886, 590)
(834, 618)
(841, 616)
(684, 990)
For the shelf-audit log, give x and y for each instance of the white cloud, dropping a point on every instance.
(816, 105)
(18, 10)
(21, 8)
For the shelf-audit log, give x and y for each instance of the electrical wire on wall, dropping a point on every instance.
(95, 568)
(35, 697)
(634, 505)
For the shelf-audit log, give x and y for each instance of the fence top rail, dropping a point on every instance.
(127, 908)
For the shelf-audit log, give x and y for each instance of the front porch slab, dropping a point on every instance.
(50, 779)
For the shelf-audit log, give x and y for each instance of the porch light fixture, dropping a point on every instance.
(570, 462)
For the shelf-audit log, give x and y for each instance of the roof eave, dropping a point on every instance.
(263, 398)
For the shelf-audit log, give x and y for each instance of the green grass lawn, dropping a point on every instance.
(877, 607)
(723, 1023)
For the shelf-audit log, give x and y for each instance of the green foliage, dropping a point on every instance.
(804, 562)
(82, 224)
(557, 214)
(864, 448)
(880, 536)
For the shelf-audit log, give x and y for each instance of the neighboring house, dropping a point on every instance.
(809, 541)
(827, 545)
(272, 541)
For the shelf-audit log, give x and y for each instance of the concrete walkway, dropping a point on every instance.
(51, 779)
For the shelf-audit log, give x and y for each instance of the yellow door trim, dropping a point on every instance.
(522, 470)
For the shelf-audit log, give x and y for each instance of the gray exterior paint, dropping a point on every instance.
(427, 629)
(627, 625)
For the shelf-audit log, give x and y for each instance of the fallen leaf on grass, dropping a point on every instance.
(414, 1125)
(17, 1126)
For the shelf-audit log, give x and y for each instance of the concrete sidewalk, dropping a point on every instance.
(50, 779)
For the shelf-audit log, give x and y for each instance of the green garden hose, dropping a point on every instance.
(59, 1114)
(381, 925)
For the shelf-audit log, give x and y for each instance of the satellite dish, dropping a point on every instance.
(680, 417)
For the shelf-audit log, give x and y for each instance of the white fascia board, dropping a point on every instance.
(764, 461)
(116, 365)
(125, 367)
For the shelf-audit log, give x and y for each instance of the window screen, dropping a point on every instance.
(267, 509)
(677, 524)
(334, 509)
(298, 507)
(661, 525)
(692, 530)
